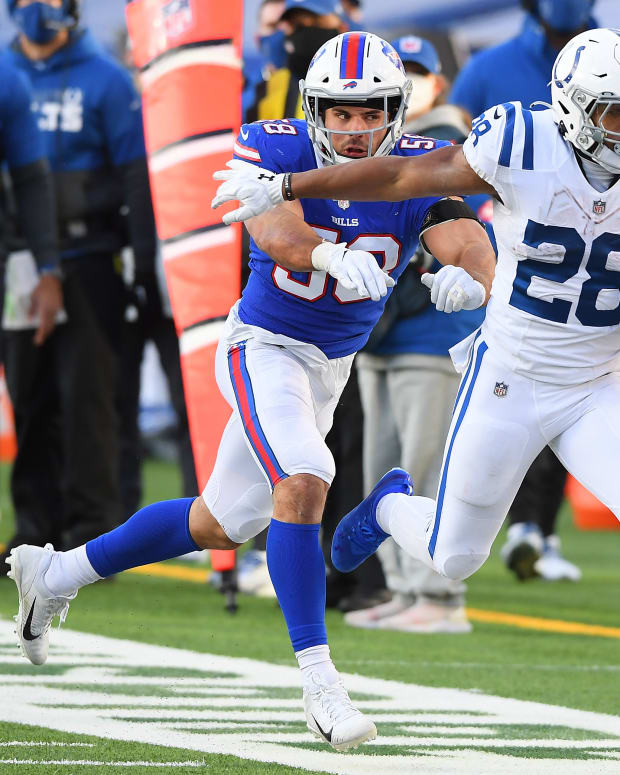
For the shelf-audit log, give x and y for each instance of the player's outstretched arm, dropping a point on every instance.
(464, 282)
(442, 172)
(390, 178)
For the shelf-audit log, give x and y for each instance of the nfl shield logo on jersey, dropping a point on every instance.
(598, 208)
(344, 204)
(501, 388)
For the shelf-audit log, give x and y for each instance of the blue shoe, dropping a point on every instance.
(358, 535)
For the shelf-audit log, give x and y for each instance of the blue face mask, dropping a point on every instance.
(565, 15)
(39, 22)
(272, 48)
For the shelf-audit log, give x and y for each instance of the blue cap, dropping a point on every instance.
(319, 7)
(410, 48)
(565, 15)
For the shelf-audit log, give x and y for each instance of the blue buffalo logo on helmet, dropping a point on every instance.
(350, 85)
(392, 55)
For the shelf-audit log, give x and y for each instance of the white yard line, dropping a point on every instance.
(39, 700)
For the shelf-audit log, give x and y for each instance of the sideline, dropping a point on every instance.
(201, 576)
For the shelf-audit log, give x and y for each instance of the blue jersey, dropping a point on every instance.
(312, 306)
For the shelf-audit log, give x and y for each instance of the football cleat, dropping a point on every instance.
(253, 574)
(330, 715)
(524, 546)
(37, 607)
(369, 618)
(358, 535)
(552, 565)
(428, 617)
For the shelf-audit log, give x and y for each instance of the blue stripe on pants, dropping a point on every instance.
(444, 474)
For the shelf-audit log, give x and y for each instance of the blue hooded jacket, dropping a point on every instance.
(89, 115)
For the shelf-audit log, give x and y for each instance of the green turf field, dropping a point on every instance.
(576, 671)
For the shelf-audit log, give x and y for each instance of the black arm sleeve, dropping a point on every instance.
(36, 210)
(141, 221)
(445, 210)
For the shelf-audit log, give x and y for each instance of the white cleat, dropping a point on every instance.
(428, 617)
(370, 618)
(553, 566)
(37, 607)
(331, 716)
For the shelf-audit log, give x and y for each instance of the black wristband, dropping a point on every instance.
(286, 185)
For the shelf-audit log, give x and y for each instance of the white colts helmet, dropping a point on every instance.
(586, 74)
(354, 68)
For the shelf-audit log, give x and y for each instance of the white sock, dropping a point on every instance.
(68, 571)
(407, 519)
(316, 659)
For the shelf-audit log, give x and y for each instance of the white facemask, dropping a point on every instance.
(422, 94)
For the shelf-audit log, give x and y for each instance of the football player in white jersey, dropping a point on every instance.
(544, 366)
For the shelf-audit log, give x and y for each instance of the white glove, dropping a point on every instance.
(355, 270)
(453, 289)
(257, 189)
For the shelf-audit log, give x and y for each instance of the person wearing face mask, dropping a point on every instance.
(518, 70)
(305, 26)
(89, 119)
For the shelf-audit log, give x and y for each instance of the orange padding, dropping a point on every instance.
(204, 284)
(189, 101)
(182, 194)
(152, 32)
(588, 512)
(8, 440)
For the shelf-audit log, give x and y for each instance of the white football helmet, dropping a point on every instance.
(355, 67)
(586, 74)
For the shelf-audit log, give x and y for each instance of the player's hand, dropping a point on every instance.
(453, 289)
(257, 189)
(355, 270)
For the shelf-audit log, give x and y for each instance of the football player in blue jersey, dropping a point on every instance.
(544, 368)
(321, 272)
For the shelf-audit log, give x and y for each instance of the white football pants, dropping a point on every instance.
(283, 394)
(501, 422)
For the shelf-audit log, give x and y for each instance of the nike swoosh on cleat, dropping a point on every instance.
(326, 735)
(27, 632)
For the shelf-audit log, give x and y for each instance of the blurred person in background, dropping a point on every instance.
(305, 25)
(408, 383)
(89, 116)
(35, 297)
(270, 54)
(518, 70)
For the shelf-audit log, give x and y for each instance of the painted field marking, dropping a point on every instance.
(89, 763)
(483, 733)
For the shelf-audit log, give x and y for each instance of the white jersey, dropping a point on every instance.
(554, 313)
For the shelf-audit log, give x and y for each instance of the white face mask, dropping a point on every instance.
(422, 94)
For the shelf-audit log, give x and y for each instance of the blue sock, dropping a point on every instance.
(297, 570)
(156, 532)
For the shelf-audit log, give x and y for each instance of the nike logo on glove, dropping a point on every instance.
(326, 735)
(27, 632)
